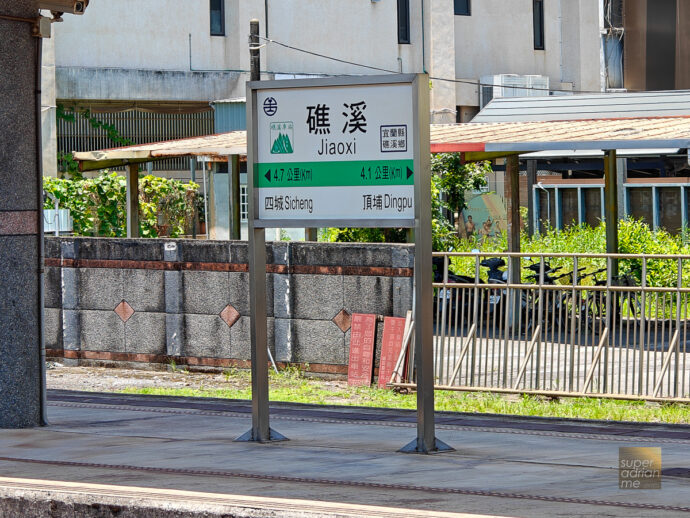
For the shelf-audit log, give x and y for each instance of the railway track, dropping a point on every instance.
(633, 432)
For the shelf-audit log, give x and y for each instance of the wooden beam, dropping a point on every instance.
(133, 201)
(512, 196)
(480, 156)
(611, 206)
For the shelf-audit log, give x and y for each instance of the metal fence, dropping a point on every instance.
(562, 324)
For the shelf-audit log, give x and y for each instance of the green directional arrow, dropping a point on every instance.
(332, 174)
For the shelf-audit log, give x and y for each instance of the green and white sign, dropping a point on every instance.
(335, 153)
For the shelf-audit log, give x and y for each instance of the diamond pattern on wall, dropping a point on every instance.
(124, 311)
(229, 315)
(343, 320)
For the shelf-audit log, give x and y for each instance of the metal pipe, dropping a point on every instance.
(43, 398)
(548, 201)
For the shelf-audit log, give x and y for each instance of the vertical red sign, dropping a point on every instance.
(361, 365)
(393, 331)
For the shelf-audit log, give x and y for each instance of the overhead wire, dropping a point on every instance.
(433, 78)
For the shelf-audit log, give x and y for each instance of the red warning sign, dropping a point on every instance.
(393, 331)
(362, 334)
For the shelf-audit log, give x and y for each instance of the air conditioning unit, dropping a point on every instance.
(511, 85)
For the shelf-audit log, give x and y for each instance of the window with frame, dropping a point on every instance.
(462, 7)
(538, 17)
(217, 8)
(403, 21)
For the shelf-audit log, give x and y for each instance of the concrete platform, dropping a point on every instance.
(113, 455)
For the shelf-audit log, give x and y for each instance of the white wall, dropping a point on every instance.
(149, 34)
(497, 38)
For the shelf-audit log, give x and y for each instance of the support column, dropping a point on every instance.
(311, 234)
(133, 200)
(21, 234)
(611, 206)
(426, 441)
(512, 196)
(234, 191)
(192, 172)
(621, 178)
(260, 430)
(531, 180)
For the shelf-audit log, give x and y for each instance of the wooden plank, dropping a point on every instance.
(361, 364)
(391, 344)
(401, 364)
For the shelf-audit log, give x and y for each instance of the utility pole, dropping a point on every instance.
(254, 53)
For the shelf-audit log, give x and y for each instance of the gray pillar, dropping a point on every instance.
(611, 206)
(133, 200)
(174, 310)
(234, 191)
(531, 180)
(21, 268)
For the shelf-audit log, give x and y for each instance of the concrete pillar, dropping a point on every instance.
(21, 268)
(133, 200)
(174, 309)
(441, 60)
(48, 108)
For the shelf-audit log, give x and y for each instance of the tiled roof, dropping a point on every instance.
(624, 133)
(619, 133)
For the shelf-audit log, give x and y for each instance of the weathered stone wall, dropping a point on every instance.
(150, 300)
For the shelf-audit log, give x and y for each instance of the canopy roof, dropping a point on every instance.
(579, 107)
(215, 147)
(478, 141)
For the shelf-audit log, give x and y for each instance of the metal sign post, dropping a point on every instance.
(338, 152)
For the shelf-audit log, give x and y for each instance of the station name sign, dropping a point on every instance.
(334, 155)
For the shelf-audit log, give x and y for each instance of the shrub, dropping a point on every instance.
(97, 206)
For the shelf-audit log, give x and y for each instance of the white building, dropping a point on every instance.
(165, 60)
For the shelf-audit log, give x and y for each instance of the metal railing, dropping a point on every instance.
(562, 324)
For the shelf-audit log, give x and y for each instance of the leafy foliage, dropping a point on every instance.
(634, 237)
(449, 180)
(66, 162)
(98, 206)
(457, 178)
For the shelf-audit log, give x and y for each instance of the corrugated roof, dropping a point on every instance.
(597, 106)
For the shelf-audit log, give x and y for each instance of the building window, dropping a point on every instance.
(217, 17)
(538, 15)
(244, 203)
(403, 21)
(462, 7)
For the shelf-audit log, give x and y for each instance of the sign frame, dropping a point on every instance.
(426, 441)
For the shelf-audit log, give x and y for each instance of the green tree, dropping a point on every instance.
(456, 178)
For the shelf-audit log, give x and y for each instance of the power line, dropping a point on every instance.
(433, 78)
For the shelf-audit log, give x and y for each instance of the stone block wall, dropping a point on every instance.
(138, 300)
